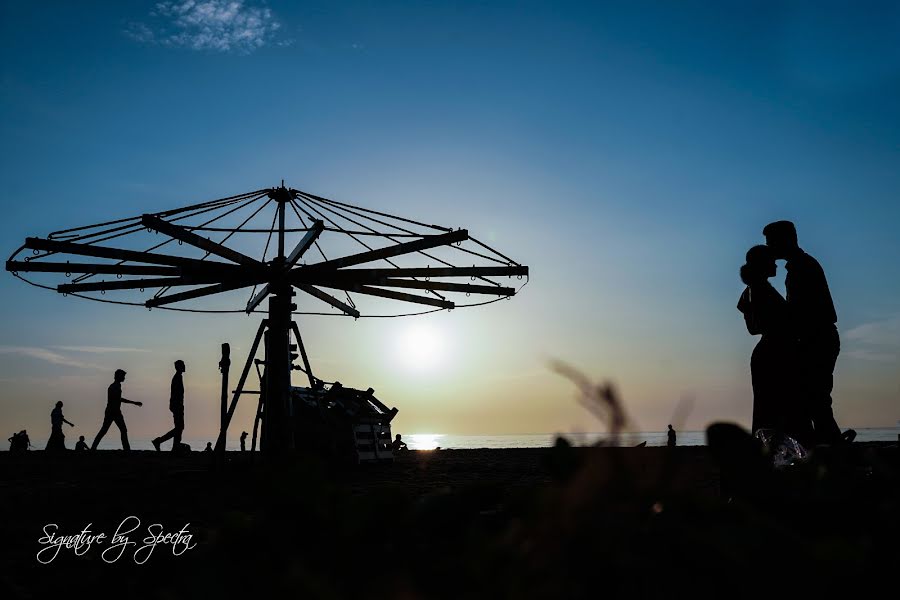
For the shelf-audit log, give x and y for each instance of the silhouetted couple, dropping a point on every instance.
(792, 366)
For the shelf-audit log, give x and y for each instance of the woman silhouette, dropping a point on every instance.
(773, 367)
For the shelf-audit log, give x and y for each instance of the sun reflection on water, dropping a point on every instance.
(423, 441)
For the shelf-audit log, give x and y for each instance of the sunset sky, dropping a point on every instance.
(628, 153)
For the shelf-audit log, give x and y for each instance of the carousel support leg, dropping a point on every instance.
(309, 373)
(260, 409)
(220, 443)
(224, 366)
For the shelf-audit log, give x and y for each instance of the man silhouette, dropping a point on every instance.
(176, 405)
(398, 444)
(812, 316)
(670, 437)
(113, 413)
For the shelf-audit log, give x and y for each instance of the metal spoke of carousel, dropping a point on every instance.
(274, 240)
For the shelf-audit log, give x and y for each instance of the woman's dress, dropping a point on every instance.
(773, 365)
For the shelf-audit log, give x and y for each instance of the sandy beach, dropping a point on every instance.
(557, 522)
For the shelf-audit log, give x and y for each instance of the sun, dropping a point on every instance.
(424, 441)
(421, 347)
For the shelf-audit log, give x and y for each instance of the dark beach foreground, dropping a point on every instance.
(526, 523)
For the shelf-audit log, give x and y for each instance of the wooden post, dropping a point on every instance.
(224, 366)
(220, 443)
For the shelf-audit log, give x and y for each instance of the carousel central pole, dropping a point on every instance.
(277, 423)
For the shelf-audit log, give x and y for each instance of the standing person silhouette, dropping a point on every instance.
(813, 319)
(113, 413)
(244, 442)
(176, 405)
(670, 437)
(57, 439)
(773, 364)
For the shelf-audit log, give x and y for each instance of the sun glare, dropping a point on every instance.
(424, 441)
(421, 347)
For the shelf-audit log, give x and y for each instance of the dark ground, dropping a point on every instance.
(531, 523)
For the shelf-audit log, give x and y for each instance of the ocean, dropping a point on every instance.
(422, 441)
(431, 441)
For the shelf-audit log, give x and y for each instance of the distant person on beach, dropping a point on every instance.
(113, 413)
(670, 437)
(398, 444)
(176, 405)
(80, 444)
(19, 442)
(773, 364)
(208, 447)
(57, 439)
(813, 322)
(244, 442)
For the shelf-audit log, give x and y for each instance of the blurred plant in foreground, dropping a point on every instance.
(601, 399)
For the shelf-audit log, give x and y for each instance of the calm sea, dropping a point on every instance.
(430, 441)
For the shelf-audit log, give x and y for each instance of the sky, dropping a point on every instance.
(628, 153)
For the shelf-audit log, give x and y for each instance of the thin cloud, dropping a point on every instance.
(884, 332)
(872, 356)
(97, 349)
(47, 356)
(211, 25)
(877, 341)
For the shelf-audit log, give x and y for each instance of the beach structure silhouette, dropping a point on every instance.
(446, 272)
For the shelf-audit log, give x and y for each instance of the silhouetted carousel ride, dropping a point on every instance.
(178, 260)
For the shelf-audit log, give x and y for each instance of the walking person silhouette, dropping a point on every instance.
(113, 413)
(57, 439)
(814, 321)
(176, 405)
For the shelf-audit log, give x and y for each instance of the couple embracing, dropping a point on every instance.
(792, 366)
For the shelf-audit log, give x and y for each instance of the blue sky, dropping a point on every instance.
(629, 153)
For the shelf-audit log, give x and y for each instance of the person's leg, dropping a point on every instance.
(820, 381)
(107, 421)
(120, 423)
(58, 439)
(794, 411)
(168, 436)
(179, 428)
(758, 412)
